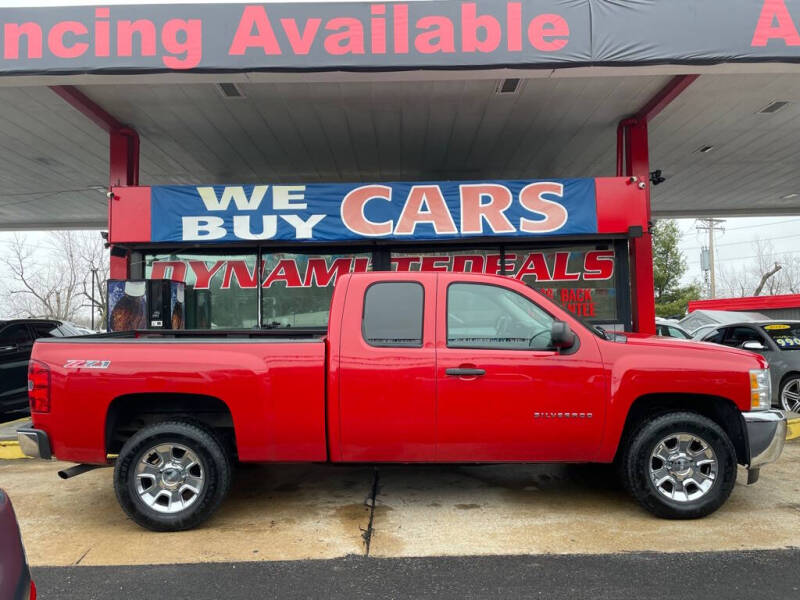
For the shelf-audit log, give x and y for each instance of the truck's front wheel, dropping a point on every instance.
(171, 476)
(680, 465)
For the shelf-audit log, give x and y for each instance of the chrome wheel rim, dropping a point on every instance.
(790, 396)
(683, 467)
(169, 478)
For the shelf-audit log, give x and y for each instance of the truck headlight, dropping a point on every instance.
(760, 389)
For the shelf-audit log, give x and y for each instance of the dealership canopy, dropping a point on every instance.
(301, 93)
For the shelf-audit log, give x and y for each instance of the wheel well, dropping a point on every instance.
(720, 410)
(129, 413)
(787, 376)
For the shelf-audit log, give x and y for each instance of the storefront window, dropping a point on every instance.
(297, 288)
(582, 279)
(221, 289)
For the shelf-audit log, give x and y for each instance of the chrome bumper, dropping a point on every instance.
(766, 435)
(34, 443)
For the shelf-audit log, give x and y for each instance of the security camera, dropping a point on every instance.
(656, 178)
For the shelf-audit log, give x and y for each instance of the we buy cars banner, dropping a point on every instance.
(407, 211)
(228, 37)
(329, 212)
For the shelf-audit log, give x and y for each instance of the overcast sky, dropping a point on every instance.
(734, 244)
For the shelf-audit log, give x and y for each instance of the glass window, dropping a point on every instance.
(14, 335)
(393, 314)
(487, 316)
(221, 289)
(677, 333)
(41, 330)
(737, 336)
(297, 288)
(785, 336)
(581, 279)
(715, 336)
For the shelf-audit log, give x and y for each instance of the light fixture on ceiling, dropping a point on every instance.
(789, 196)
(508, 86)
(773, 107)
(229, 90)
(704, 149)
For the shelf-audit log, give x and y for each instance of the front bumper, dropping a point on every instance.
(34, 443)
(766, 435)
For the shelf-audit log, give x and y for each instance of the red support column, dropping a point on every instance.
(641, 248)
(123, 156)
(633, 159)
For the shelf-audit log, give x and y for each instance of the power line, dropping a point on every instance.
(690, 233)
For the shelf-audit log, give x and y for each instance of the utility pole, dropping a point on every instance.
(94, 276)
(711, 225)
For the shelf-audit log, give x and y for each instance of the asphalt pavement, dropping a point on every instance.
(768, 574)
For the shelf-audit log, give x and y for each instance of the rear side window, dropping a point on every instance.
(393, 314)
(14, 335)
(43, 330)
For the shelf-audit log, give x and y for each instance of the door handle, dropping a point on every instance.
(465, 372)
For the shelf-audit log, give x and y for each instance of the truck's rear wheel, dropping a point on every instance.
(172, 476)
(680, 466)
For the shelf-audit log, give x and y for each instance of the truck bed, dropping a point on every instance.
(266, 385)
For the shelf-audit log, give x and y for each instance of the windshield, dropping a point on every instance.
(786, 336)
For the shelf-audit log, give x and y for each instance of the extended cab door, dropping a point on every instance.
(504, 394)
(386, 370)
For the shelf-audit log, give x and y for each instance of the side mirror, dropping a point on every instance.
(561, 335)
(753, 345)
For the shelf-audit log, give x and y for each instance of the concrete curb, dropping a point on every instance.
(11, 451)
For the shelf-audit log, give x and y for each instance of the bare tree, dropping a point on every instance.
(769, 273)
(54, 279)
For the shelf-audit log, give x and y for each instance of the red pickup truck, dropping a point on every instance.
(414, 367)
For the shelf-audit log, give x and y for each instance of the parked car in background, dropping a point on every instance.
(667, 328)
(15, 575)
(704, 330)
(16, 341)
(779, 343)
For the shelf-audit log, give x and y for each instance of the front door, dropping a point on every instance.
(504, 394)
(386, 371)
(15, 350)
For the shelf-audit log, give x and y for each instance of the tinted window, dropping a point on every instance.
(14, 335)
(715, 336)
(393, 314)
(785, 336)
(737, 336)
(41, 330)
(487, 316)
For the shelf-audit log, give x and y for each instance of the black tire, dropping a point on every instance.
(215, 471)
(790, 379)
(636, 464)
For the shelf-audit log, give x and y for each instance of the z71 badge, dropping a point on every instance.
(87, 364)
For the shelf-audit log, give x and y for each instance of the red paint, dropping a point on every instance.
(633, 155)
(784, 29)
(56, 39)
(750, 303)
(620, 205)
(391, 404)
(129, 218)
(301, 42)
(479, 33)
(548, 33)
